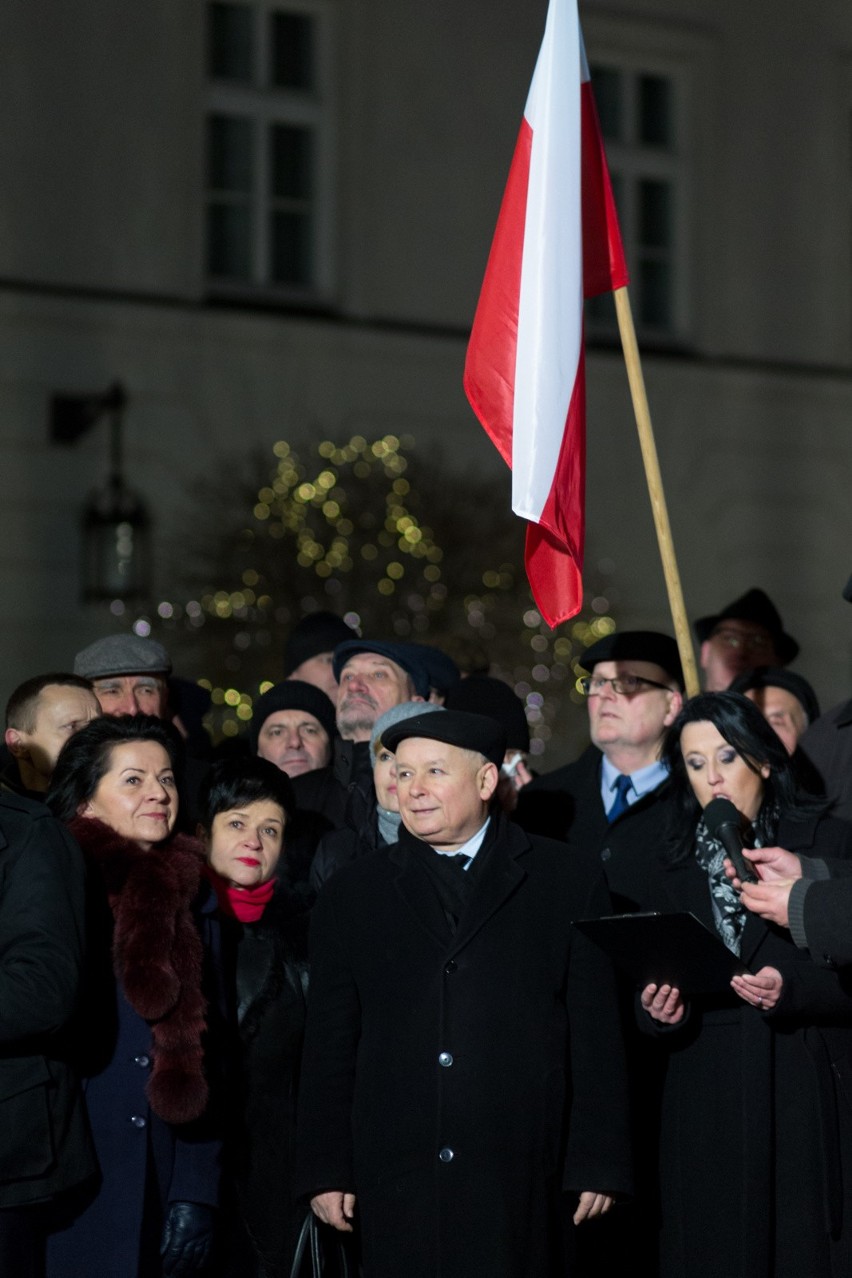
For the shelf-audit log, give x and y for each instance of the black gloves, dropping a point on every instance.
(187, 1238)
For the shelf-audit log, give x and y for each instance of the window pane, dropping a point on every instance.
(655, 111)
(229, 42)
(291, 161)
(655, 213)
(229, 240)
(290, 239)
(655, 294)
(291, 56)
(608, 87)
(229, 153)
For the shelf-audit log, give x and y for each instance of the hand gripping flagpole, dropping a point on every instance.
(654, 480)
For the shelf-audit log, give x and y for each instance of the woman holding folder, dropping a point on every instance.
(756, 1131)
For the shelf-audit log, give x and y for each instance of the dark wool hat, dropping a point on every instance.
(402, 654)
(122, 655)
(483, 694)
(778, 677)
(637, 645)
(317, 633)
(756, 607)
(442, 670)
(292, 694)
(454, 727)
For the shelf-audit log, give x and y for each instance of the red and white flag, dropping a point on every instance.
(557, 240)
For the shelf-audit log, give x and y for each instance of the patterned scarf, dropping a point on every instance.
(729, 914)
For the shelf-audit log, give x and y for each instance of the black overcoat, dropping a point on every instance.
(456, 1083)
(756, 1142)
(45, 1145)
(566, 804)
(146, 1163)
(266, 963)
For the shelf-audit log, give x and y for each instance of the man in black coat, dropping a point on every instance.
(46, 1148)
(463, 1066)
(613, 800)
(613, 803)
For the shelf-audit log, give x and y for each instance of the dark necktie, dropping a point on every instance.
(622, 785)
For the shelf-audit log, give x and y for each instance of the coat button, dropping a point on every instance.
(138, 1121)
(446, 1155)
(605, 854)
(142, 1061)
(445, 1059)
(451, 967)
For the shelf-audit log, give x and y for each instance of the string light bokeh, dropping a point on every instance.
(386, 536)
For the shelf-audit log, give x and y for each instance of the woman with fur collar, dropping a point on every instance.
(140, 1037)
(245, 807)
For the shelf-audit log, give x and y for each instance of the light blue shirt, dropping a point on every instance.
(469, 849)
(643, 782)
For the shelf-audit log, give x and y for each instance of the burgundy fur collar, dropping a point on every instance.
(157, 955)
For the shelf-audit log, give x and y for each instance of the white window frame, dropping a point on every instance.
(265, 105)
(633, 161)
(689, 58)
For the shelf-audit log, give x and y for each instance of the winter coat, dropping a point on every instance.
(146, 1162)
(266, 964)
(756, 1143)
(45, 1146)
(457, 1083)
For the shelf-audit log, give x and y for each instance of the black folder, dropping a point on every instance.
(666, 949)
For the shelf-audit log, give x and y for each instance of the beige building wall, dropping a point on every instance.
(102, 108)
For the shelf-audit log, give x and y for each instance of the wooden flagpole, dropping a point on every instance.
(655, 488)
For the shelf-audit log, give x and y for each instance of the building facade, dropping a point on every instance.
(269, 219)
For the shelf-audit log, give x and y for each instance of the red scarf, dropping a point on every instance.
(245, 904)
(157, 955)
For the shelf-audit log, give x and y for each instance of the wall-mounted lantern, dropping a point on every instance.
(115, 522)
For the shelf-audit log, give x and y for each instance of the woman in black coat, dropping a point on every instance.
(148, 996)
(756, 1141)
(244, 808)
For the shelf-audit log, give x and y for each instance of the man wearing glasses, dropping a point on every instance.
(744, 635)
(614, 801)
(612, 797)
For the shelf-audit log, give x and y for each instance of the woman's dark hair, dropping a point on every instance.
(234, 783)
(743, 726)
(85, 757)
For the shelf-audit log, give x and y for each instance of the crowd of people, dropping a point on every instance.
(357, 969)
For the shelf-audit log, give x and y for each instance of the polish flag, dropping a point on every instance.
(557, 241)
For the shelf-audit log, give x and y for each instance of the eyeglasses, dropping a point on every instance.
(626, 685)
(743, 639)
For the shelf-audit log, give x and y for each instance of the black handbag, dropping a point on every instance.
(326, 1249)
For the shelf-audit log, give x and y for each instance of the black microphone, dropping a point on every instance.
(724, 823)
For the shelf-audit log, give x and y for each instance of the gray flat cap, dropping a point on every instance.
(122, 655)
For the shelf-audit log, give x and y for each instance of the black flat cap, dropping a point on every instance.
(442, 671)
(756, 607)
(637, 645)
(402, 654)
(453, 727)
(317, 633)
(779, 677)
(483, 694)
